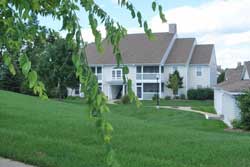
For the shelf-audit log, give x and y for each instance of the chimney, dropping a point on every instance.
(173, 28)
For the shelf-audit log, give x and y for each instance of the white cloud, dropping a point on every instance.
(212, 16)
(224, 23)
(89, 37)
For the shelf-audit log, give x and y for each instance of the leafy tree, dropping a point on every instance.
(56, 69)
(175, 82)
(221, 77)
(13, 18)
(244, 105)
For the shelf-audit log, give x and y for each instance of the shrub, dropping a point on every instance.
(201, 94)
(182, 96)
(154, 98)
(125, 99)
(176, 97)
(167, 98)
(237, 124)
(244, 105)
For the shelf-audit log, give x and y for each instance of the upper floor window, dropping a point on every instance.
(117, 74)
(198, 71)
(151, 69)
(93, 69)
(162, 69)
(99, 70)
(138, 69)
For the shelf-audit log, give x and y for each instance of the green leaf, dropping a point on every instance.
(139, 18)
(154, 5)
(76, 60)
(7, 59)
(99, 99)
(145, 25)
(23, 59)
(32, 77)
(26, 68)
(125, 70)
(12, 69)
(162, 16)
(109, 127)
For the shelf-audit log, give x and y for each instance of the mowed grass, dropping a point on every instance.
(201, 105)
(58, 134)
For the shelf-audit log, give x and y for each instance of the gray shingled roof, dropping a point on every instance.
(235, 86)
(181, 50)
(135, 48)
(202, 54)
(233, 82)
(234, 74)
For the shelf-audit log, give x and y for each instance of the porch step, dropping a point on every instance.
(213, 116)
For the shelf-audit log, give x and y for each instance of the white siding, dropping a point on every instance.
(218, 95)
(230, 109)
(168, 69)
(213, 70)
(246, 75)
(203, 80)
(225, 104)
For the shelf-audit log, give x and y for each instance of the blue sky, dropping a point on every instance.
(122, 15)
(223, 23)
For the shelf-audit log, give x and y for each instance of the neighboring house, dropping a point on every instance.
(74, 91)
(237, 81)
(148, 60)
(219, 71)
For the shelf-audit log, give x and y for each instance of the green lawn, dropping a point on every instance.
(59, 134)
(202, 105)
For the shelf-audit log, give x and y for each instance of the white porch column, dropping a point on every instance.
(109, 92)
(159, 88)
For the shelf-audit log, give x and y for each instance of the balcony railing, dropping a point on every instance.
(99, 77)
(116, 78)
(147, 76)
(149, 95)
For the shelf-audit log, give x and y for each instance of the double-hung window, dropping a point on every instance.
(117, 74)
(198, 71)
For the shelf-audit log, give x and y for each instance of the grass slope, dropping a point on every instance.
(58, 134)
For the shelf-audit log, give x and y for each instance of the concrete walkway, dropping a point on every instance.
(9, 163)
(206, 114)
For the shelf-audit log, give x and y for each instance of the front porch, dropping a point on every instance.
(116, 90)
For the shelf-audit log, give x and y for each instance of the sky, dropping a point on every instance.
(225, 23)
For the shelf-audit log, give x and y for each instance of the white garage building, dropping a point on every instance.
(225, 93)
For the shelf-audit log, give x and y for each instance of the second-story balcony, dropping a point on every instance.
(147, 76)
(117, 74)
(99, 76)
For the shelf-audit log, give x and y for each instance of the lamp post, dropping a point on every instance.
(157, 96)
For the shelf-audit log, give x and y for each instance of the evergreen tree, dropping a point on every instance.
(175, 82)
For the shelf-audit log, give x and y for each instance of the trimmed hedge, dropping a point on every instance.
(201, 94)
(244, 105)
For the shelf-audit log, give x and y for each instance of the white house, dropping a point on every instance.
(237, 80)
(148, 60)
